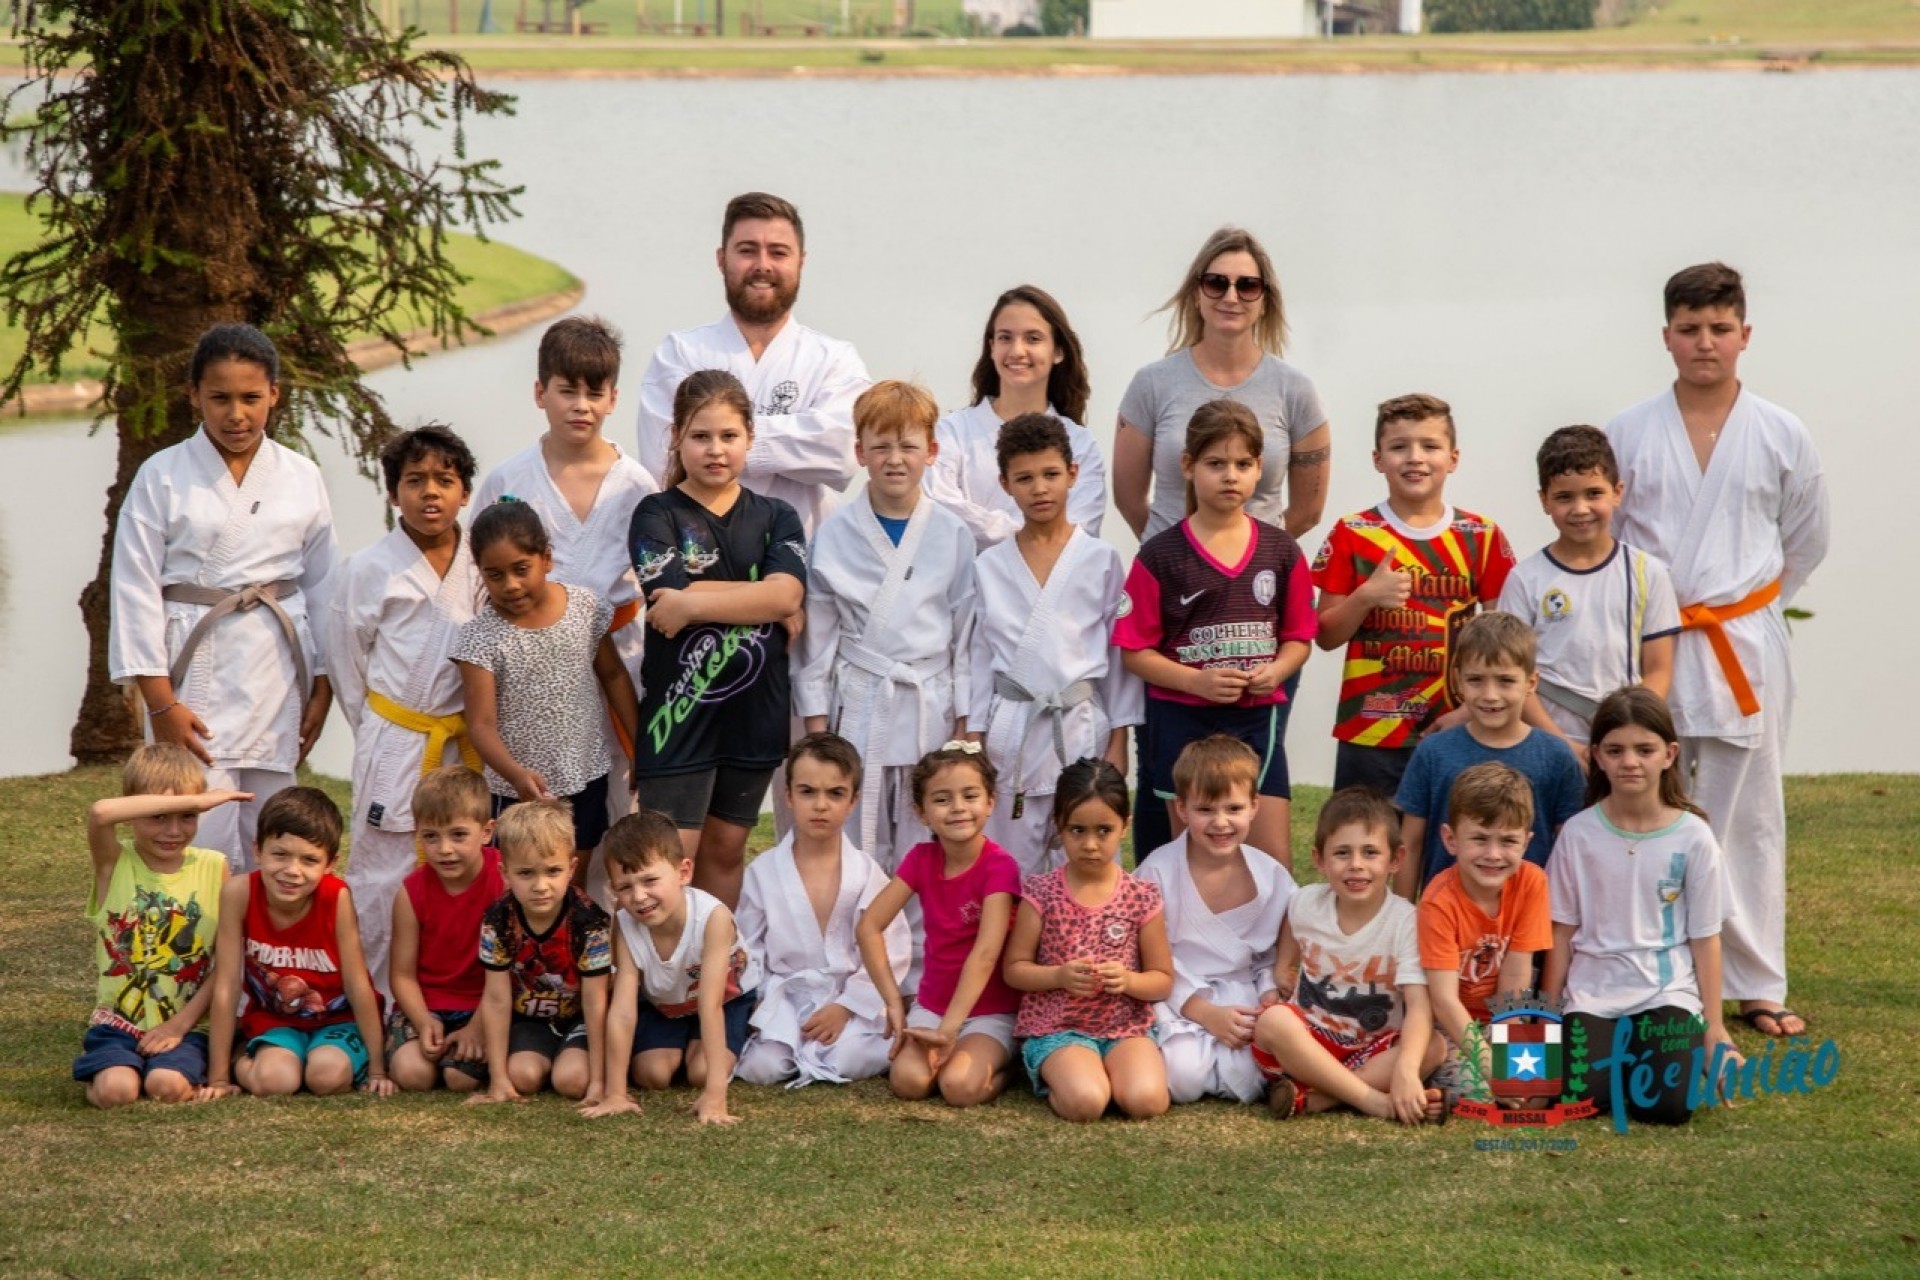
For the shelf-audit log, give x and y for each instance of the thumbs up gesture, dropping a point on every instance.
(1389, 587)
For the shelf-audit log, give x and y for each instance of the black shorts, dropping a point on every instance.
(548, 1038)
(1172, 725)
(400, 1031)
(589, 813)
(730, 792)
(1378, 767)
(654, 1030)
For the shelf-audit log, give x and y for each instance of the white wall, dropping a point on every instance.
(1001, 14)
(1175, 19)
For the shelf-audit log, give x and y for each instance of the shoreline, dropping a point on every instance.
(43, 399)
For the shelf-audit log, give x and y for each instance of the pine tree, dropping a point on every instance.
(205, 161)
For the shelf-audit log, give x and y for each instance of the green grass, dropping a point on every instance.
(851, 1182)
(496, 273)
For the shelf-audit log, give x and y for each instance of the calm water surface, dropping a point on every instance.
(1497, 240)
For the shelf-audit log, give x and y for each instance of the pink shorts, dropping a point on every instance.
(1351, 1056)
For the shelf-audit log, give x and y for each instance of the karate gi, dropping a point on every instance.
(185, 523)
(804, 969)
(965, 478)
(885, 655)
(1227, 959)
(1758, 515)
(803, 387)
(391, 623)
(1048, 686)
(590, 553)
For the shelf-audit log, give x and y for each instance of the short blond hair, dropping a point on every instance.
(162, 768)
(895, 407)
(449, 794)
(1496, 639)
(1211, 768)
(534, 827)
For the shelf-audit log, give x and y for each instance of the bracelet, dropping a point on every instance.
(155, 715)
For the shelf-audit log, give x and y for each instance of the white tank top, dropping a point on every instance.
(672, 985)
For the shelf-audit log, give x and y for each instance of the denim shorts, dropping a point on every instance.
(108, 1046)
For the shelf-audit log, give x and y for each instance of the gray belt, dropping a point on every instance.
(1054, 706)
(1561, 696)
(224, 602)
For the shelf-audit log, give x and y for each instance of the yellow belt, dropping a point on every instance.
(439, 730)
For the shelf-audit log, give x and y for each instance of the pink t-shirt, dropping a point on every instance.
(1070, 931)
(950, 909)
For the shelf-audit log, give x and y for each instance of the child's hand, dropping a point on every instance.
(713, 1111)
(465, 1045)
(1079, 978)
(936, 1041)
(793, 624)
(1388, 588)
(498, 1090)
(433, 1038)
(1263, 680)
(207, 800)
(670, 611)
(1268, 999)
(825, 1026)
(180, 726)
(313, 718)
(896, 1028)
(532, 786)
(1231, 1024)
(1584, 754)
(211, 1092)
(1409, 1098)
(618, 1102)
(167, 1035)
(379, 1086)
(1223, 685)
(1113, 977)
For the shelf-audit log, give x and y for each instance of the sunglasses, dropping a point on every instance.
(1250, 288)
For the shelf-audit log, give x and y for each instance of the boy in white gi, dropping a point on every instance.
(802, 382)
(1602, 611)
(820, 1017)
(584, 490)
(1047, 686)
(890, 610)
(1225, 903)
(222, 549)
(1727, 489)
(394, 611)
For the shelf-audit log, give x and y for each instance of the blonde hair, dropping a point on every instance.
(449, 794)
(1213, 767)
(895, 406)
(534, 827)
(161, 768)
(1187, 327)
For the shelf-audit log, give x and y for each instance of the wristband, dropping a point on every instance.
(155, 715)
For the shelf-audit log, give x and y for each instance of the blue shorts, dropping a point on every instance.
(589, 806)
(654, 1030)
(1172, 725)
(1038, 1049)
(108, 1046)
(343, 1036)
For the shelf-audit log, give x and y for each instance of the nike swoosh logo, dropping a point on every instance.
(1187, 600)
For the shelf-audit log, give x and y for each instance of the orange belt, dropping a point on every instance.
(1708, 617)
(623, 616)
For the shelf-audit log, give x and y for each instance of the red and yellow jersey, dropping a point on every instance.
(1395, 677)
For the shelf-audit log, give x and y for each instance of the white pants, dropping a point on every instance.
(859, 1054)
(1029, 838)
(888, 790)
(1742, 792)
(380, 860)
(231, 828)
(1199, 1066)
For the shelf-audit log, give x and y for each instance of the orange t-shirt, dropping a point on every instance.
(1453, 931)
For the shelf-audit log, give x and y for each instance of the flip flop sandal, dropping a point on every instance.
(1779, 1019)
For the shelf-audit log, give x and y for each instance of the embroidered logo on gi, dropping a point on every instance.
(782, 399)
(1263, 586)
(1555, 606)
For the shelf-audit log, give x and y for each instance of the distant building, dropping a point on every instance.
(998, 15)
(1251, 19)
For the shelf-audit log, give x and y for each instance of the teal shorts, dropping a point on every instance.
(1038, 1049)
(343, 1036)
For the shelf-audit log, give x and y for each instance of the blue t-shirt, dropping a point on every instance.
(895, 529)
(1559, 788)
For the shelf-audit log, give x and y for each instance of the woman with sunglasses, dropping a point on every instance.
(1228, 329)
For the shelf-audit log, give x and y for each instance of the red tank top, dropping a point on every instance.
(448, 965)
(293, 974)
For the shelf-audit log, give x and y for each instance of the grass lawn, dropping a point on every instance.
(496, 274)
(851, 1182)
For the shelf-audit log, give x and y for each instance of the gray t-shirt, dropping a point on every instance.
(547, 696)
(1162, 397)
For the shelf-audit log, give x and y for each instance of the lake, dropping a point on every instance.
(1497, 240)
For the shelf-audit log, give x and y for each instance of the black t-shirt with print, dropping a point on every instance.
(715, 694)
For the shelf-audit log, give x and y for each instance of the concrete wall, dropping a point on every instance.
(1176, 19)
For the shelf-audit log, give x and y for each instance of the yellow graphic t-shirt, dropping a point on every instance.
(154, 938)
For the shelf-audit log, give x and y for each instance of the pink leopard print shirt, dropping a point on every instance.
(1069, 931)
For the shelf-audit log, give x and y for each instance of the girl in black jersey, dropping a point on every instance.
(723, 569)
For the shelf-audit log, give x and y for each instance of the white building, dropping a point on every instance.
(998, 15)
(1202, 19)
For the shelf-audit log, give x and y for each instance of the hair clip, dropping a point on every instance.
(960, 744)
(505, 497)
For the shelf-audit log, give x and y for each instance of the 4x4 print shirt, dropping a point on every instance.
(715, 693)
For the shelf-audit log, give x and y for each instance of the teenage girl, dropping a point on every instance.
(223, 543)
(1090, 949)
(959, 1035)
(1030, 362)
(534, 666)
(722, 568)
(1639, 891)
(1219, 616)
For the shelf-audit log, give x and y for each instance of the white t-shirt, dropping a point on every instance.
(1635, 901)
(1591, 623)
(1349, 986)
